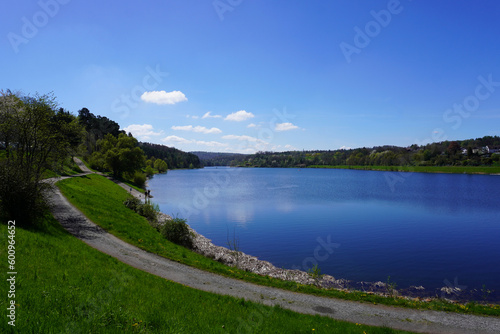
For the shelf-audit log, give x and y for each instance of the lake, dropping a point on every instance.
(430, 230)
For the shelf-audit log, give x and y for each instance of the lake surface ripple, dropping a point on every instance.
(430, 230)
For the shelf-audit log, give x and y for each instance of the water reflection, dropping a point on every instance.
(423, 230)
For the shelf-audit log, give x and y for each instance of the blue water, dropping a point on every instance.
(419, 229)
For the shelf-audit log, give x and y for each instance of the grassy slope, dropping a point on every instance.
(423, 169)
(64, 286)
(101, 200)
(69, 168)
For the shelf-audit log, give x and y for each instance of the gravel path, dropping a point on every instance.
(378, 315)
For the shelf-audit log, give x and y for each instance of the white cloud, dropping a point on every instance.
(163, 97)
(244, 138)
(142, 132)
(344, 148)
(290, 147)
(285, 127)
(211, 143)
(177, 140)
(209, 115)
(239, 116)
(251, 125)
(199, 129)
(193, 117)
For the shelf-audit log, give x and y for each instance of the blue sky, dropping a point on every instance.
(267, 75)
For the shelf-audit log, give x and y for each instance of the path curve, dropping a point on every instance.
(377, 315)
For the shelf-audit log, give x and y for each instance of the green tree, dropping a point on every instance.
(161, 165)
(119, 154)
(36, 139)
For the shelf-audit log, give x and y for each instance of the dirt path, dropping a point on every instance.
(378, 315)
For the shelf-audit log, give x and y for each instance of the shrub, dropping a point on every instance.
(132, 203)
(21, 198)
(177, 231)
(149, 171)
(147, 210)
(139, 179)
(150, 211)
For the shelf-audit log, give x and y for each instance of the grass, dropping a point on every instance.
(65, 286)
(69, 167)
(127, 182)
(423, 169)
(101, 201)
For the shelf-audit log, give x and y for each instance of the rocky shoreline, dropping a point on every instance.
(240, 260)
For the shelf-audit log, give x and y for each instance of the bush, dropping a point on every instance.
(147, 210)
(132, 203)
(177, 231)
(150, 211)
(139, 179)
(21, 199)
(149, 171)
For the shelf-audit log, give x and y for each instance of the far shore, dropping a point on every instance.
(477, 170)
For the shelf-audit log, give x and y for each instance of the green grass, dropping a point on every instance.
(69, 168)
(127, 182)
(423, 169)
(65, 286)
(101, 201)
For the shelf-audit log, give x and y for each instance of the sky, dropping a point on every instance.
(261, 75)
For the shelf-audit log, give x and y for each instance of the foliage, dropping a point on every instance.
(473, 152)
(97, 131)
(132, 203)
(118, 154)
(36, 137)
(177, 231)
(209, 159)
(96, 128)
(173, 157)
(149, 170)
(148, 210)
(160, 165)
(390, 287)
(315, 273)
(139, 179)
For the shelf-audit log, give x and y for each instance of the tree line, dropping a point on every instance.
(483, 151)
(173, 157)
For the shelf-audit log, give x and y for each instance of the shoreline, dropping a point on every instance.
(243, 261)
(411, 169)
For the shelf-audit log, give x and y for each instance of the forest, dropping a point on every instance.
(173, 157)
(483, 151)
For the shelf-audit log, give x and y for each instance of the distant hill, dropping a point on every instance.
(483, 151)
(173, 157)
(218, 159)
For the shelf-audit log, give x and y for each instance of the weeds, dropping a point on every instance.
(486, 292)
(391, 287)
(315, 273)
(234, 245)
